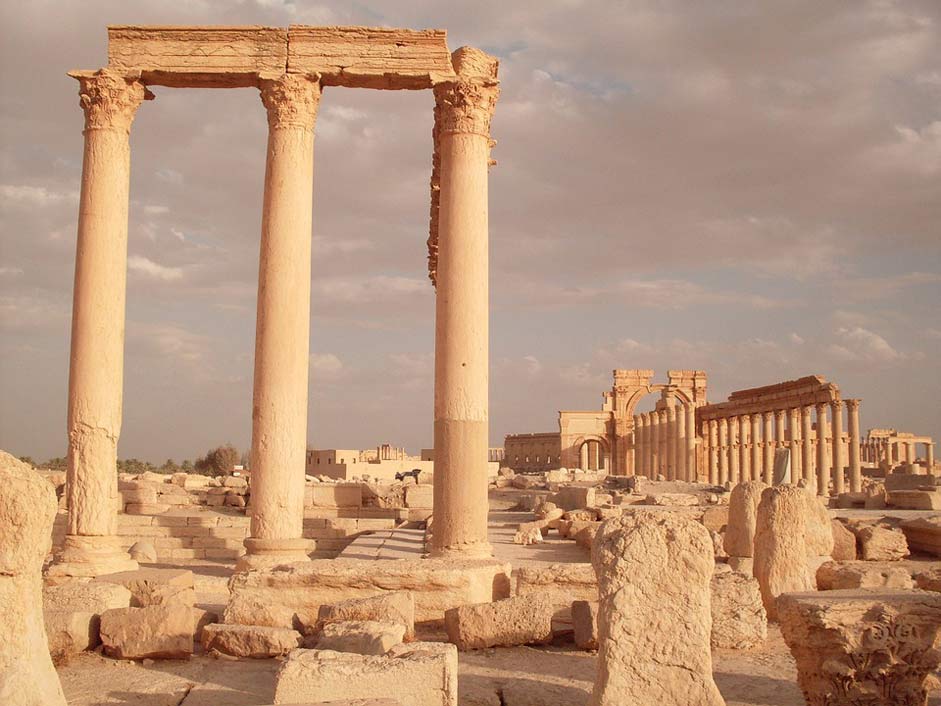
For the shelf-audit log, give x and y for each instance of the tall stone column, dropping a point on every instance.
(640, 444)
(463, 111)
(780, 436)
(836, 412)
(793, 438)
(929, 455)
(681, 472)
(713, 431)
(807, 449)
(724, 445)
(756, 456)
(734, 441)
(852, 428)
(654, 444)
(671, 440)
(691, 472)
(96, 365)
(767, 464)
(282, 325)
(823, 458)
(744, 449)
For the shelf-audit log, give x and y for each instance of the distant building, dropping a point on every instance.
(381, 463)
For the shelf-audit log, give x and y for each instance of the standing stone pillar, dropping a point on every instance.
(713, 430)
(664, 425)
(836, 411)
(852, 428)
(929, 453)
(745, 448)
(463, 110)
(823, 458)
(654, 425)
(723, 451)
(734, 441)
(640, 441)
(680, 453)
(807, 449)
(583, 456)
(671, 440)
(756, 456)
(779, 433)
(793, 438)
(282, 326)
(767, 465)
(691, 474)
(96, 364)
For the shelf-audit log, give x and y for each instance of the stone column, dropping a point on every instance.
(654, 454)
(671, 440)
(723, 451)
(713, 435)
(823, 458)
(640, 449)
(836, 412)
(780, 437)
(96, 365)
(463, 110)
(767, 465)
(282, 327)
(744, 449)
(664, 419)
(734, 441)
(793, 437)
(583, 456)
(680, 454)
(691, 474)
(807, 449)
(929, 455)
(852, 424)
(756, 456)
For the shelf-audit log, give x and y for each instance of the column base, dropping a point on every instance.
(89, 556)
(473, 550)
(264, 553)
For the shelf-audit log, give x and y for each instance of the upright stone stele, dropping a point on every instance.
(96, 365)
(654, 618)
(739, 538)
(282, 347)
(27, 509)
(463, 110)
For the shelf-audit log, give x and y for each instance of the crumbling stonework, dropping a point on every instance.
(27, 507)
(520, 620)
(250, 641)
(654, 618)
(739, 621)
(743, 515)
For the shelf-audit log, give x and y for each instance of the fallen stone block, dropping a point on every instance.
(419, 674)
(836, 575)
(144, 552)
(396, 607)
(72, 612)
(929, 580)
(716, 519)
(521, 620)
(844, 542)
(155, 632)
(291, 594)
(585, 624)
(572, 497)
(914, 499)
(560, 583)
(249, 640)
(862, 646)
(923, 534)
(529, 533)
(672, 499)
(881, 544)
(739, 621)
(155, 586)
(365, 637)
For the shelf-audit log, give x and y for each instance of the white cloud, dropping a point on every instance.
(149, 268)
(325, 365)
(156, 210)
(36, 195)
(858, 344)
(369, 289)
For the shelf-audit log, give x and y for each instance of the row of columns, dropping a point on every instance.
(463, 111)
(665, 442)
(741, 447)
(895, 451)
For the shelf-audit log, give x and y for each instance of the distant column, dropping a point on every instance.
(654, 453)
(645, 444)
(723, 451)
(836, 411)
(663, 418)
(793, 437)
(756, 456)
(744, 457)
(671, 440)
(463, 111)
(929, 455)
(681, 432)
(768, 447)
(807, 449)
(780, 437)
(691, 474)
(823, 458)
(852, 423)
(638, 441)
(713, 435)
(734, 441)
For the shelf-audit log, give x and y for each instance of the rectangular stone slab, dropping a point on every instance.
(371, 57)
(198, 57)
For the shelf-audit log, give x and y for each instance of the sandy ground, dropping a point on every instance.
(519, 676)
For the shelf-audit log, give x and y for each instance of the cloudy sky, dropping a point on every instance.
(753, 189)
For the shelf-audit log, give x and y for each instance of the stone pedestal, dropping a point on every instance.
(863, 647)
(282, 330)
(463, 110)
(96, 366)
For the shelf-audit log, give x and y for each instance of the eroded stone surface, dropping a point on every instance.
(861, 574)
(844, 542)
(249, 640)
(397, 607)
(365, 637)
(72, 611)
(881, 544)
(520, 620)
(156, 632)
(739, 621)
(743, 514)
(654, 571)
(585, 623)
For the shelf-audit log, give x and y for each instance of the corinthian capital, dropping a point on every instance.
(291, 100)
(465, 106)
(110, 99)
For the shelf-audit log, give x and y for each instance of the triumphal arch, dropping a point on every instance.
(290, 68)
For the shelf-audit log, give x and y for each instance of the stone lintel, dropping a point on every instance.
(803, 392)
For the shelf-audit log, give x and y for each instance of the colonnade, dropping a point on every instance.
(895, 450)
(665, 441)
(741, 447)
(463, 110)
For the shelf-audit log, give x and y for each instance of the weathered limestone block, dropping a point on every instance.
(914, 499)
(716, 519)
(585, 623)
(143, 552)
(929, 580)
(419, 674)
(156, 632)
(844, 542)
(365, 637)
(249, 640)
(520, 620)
(743, 515)
(585, 537)
(739, 621)
(654, 619)
(672, 499)
(397, 607)
(293, 593)
(818, 528)
(155, 586)
(881, 544)
(529, 533)
(863, 646)
(835, 575)
(27, 510)
(780, 562)
(560, 583)
(573, 497)
(72, 612)
(923, 534)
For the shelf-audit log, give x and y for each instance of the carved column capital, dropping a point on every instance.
(291, 100)
(852, 404)
(466, 106)
(110, 99)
